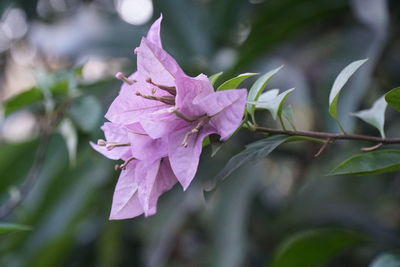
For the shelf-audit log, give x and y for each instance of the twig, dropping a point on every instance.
(332, 136)
(371, 148)
(327, 142)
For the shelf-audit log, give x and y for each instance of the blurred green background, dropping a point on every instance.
(257, 212)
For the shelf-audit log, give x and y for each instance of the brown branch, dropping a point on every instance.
(326, 143)
(331, 136)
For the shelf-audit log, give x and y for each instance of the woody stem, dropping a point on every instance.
(326, 136)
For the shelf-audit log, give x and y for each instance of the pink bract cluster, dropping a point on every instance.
(157, 125)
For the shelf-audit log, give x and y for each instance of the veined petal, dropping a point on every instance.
(187, 89)
(126, 203)
(145, 148)
(161, 123)
(153, 34)
(165, 180)
(185, 160)
(146, 173)
(128, 107)
(226, 109)
(157, 64)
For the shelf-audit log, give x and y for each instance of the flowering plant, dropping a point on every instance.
(157, 126)
(159, 120)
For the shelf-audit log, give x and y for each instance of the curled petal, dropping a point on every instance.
(153, 35)
(185, 159)
(155, 178)
(146, 173)
(126, 202)
(226, 109)
(187, 89)
(157, 64)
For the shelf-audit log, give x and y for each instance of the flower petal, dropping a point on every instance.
(226, 109)
(161, 123)
(128, 107)
(187, 89)
(146, 172)
(165, 180)
(126, 203)
(156, 63)
(153, 34)
(145, 148)
(185, 160)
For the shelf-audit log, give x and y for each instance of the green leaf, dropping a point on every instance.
(374, 116)
(70, 137)
(13, 227)
(393, 98)
(340, 81)
(386, 260)
(258, 87)
(274, 105)
(314, 247)
(214, 78)
(373, 162)
(22, 100)
(250, 154)
(268, 95)
(289, 115)
(234, 82)
(86, 112)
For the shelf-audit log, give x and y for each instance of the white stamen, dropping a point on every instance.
(101, 142)
(122, 77)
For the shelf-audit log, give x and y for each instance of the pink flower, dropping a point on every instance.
(152, 86)
(198, 112)
(157, 126)
(139, 186)
(145, 174)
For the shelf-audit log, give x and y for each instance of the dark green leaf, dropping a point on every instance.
(373, 162)
(234, 82)
(86, 112)
(22, 100)
(393, 98)
(314, 247)
(13, 227)
(251, 154)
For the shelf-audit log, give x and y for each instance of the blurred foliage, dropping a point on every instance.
(251, 217)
